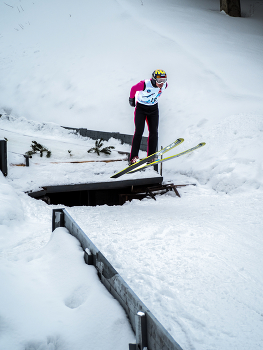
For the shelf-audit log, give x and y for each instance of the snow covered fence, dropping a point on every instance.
(150, 334)
(124, 138)
(3, 157)
(95, 135)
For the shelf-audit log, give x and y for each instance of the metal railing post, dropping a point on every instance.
(3, 157)
(57, 218)
(140, 332)
(161, 165)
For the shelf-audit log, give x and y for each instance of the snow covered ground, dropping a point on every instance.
(196, 262)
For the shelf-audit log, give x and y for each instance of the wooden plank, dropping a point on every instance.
(231, 7)
(98, 186)
(37, 194)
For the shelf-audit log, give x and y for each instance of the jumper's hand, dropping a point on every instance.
(132, 101)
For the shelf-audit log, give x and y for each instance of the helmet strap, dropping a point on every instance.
(154, 82)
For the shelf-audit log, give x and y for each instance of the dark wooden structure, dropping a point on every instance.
(95, 193)
(231, 7)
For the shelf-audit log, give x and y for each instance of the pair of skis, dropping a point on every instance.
(150, 160)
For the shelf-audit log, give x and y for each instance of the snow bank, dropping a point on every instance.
(11, 208)
(52, 300)
(231, 161)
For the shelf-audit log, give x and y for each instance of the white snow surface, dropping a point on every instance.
(195, 261)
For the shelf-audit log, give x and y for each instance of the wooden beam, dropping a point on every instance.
(231, 7)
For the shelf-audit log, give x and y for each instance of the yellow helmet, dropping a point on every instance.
(160, 76)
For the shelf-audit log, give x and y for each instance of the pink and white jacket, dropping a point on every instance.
(146, 93)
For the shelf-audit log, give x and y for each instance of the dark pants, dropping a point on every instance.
(150, 114)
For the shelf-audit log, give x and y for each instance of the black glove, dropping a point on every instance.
(132, 101)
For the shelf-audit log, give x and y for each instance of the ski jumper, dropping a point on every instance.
(147, 95)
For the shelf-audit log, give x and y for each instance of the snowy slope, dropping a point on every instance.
(196, 262)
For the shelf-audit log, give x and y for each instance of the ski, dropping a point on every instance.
(158, 161)
(148, 159)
